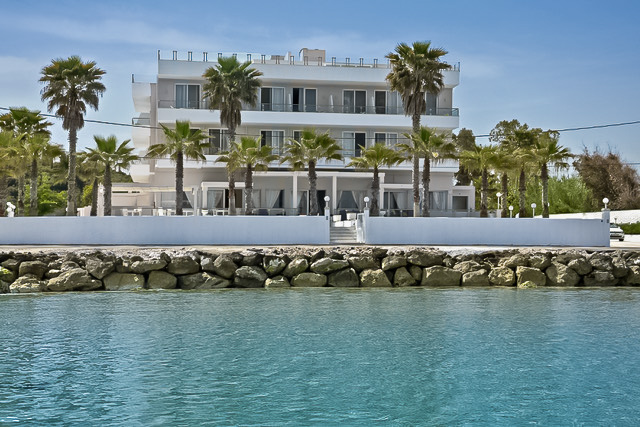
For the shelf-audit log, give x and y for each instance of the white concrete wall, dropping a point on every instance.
(199, 230)
(486, 231)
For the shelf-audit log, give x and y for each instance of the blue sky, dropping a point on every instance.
(551, 64)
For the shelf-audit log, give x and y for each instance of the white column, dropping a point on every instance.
(334, 192)
(294, 202)
(194, 191)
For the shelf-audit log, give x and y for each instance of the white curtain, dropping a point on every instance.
(278, 99)
(255, 197)
(302, 202)
(181, 96)
(392, 103)
(438, 200)
(272, 197)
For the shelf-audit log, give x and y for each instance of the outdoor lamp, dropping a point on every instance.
(606, 202)
(327, 198)
(533, 207)
(498, 195)
(366, 202)
(510, 211)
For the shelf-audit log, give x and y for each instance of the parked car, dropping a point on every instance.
(615, 232)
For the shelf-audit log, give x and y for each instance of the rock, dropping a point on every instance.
(633, 278)
(203, 280)
(527, 284)
(334, 255)
(249, 277)
(600, 278)
(374, 279)
(52, 273)
(277, 282)
(393, 261)
(328, 265)
(379, 253)
(502, 276)
(359, 263)
(7, 275)
(514, 261)
(580, 265)
(148, 265)
(601, 262)
(530, 274)
(402, 277)
(11, 264)
(123, 282)
(34, 268)
(183, 265)
(27, 284)
(347, 278)
(206, 263)
(224, 266)
(99, 268)
(317, 255)
(561, 275)
(440, 276)
(296, 266)
(124, 265)
(69, 265)
(161, 280)
(620, 268)
(539, 260)
(273, 264)
(476, 278)
(467, 266)
(76, 279)
(251, 258)
(416, 272)
(309, 280)
(568, 256)
(4, 287)
(424, 258)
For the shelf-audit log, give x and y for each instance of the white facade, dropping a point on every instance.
(350, 99)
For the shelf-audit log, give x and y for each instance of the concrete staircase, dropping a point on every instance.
(343, 233)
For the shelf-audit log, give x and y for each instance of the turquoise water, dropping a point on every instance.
(322, 357)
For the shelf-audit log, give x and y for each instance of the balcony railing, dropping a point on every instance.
(296, 108)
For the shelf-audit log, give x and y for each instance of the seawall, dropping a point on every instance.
(118, 270)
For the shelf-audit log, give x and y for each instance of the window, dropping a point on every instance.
(353, 143)
(304, 100)
(297, 135)
(218, 141)
(460, 203)
(380, 99)
(354, 101)
(432, 107)
(394, 103)
(389, 139)
(187, 96)
(272, 99)
(274, 139)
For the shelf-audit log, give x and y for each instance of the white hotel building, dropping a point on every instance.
(350, 99)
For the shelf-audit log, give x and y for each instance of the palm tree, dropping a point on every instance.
(112, 156)
(547, 151)
(504, 165)
(7, 142)
(375, 157)
(416, 70)
(180, 143)
(71, 85)
(90, 171)
(253, 156)
(429, 145)
(307, 152)
(232, 159)
(38, 149)
(482, 158)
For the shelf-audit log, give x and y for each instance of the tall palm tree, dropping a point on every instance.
(307, 152)
(37, 150)
(430, 146)
(416, 70)
(71, 85)
(232, 159)
(253, 156)
(504, 165)
(7, 143)
(376, 157)
(547, 151)
(180, 143)
(90, 171)
(112, 155)
(482, 158)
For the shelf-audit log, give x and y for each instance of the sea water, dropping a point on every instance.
(322, 357)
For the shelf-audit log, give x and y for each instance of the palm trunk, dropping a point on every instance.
(544, 176)
(248, 190)
(232, 191)
(505, 191)
(375, 190)
(107, 190)
(415, 178)
(94, 197)
(4, 189)
(20, 208)
(179, 182)
(483, 194)
(313, 193)
(33, 189)
(71, 177)
(426, 177)
(522, 190)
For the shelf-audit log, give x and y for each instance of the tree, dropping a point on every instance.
(71, 85)
(7, 142)
(110, 155)
(180, 143)
(90, 171)
(482, 158)
(548, 151)
(416, 70)
(427, 144)
(232, 159)
(307, 152)
(465, 140)
(376, 157)
(38, 149)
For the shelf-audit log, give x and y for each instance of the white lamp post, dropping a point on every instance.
(533, 207)
(366, 202)
(499, 195)
(510, 211)
(327, 210)
(606, 202)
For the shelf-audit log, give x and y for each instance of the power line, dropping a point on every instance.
(608, 125)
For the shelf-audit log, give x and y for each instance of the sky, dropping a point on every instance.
(551, 64)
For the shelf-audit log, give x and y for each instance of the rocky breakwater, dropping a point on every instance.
(104, 270)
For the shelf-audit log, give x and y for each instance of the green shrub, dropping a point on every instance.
(631, 228)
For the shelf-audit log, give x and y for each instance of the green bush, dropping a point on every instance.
(631, 228)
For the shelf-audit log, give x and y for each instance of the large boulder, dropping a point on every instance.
(515, 261)
(530, 274)
(206, 263)
(11, 264)
(424, 258)
(273, 265)
(123, 282)
(441, 276)
(392, 262)
(359, 263)
(309, 280)
(620, 268)
(296, 266)
(34, 268)
(402, 277)
(123, 265)
(416, 272)
(567, 256)
(328, 265)
(502, 276)
(7, 275)
(476, 278)
(601, 262)
(27, 284)
(147, 265)
(203, 280)
(374, 279)
(224, 266)
(183, 264)
(633, 278)
(161, 280)
(539, 260)
(76, 279)
(251, 258)
(561, 275)
(580, 265)
(277, 282)
(347, 278)
(99, 268)
(4, 287)
(249, 277)
(600, 278)
(467, 266)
